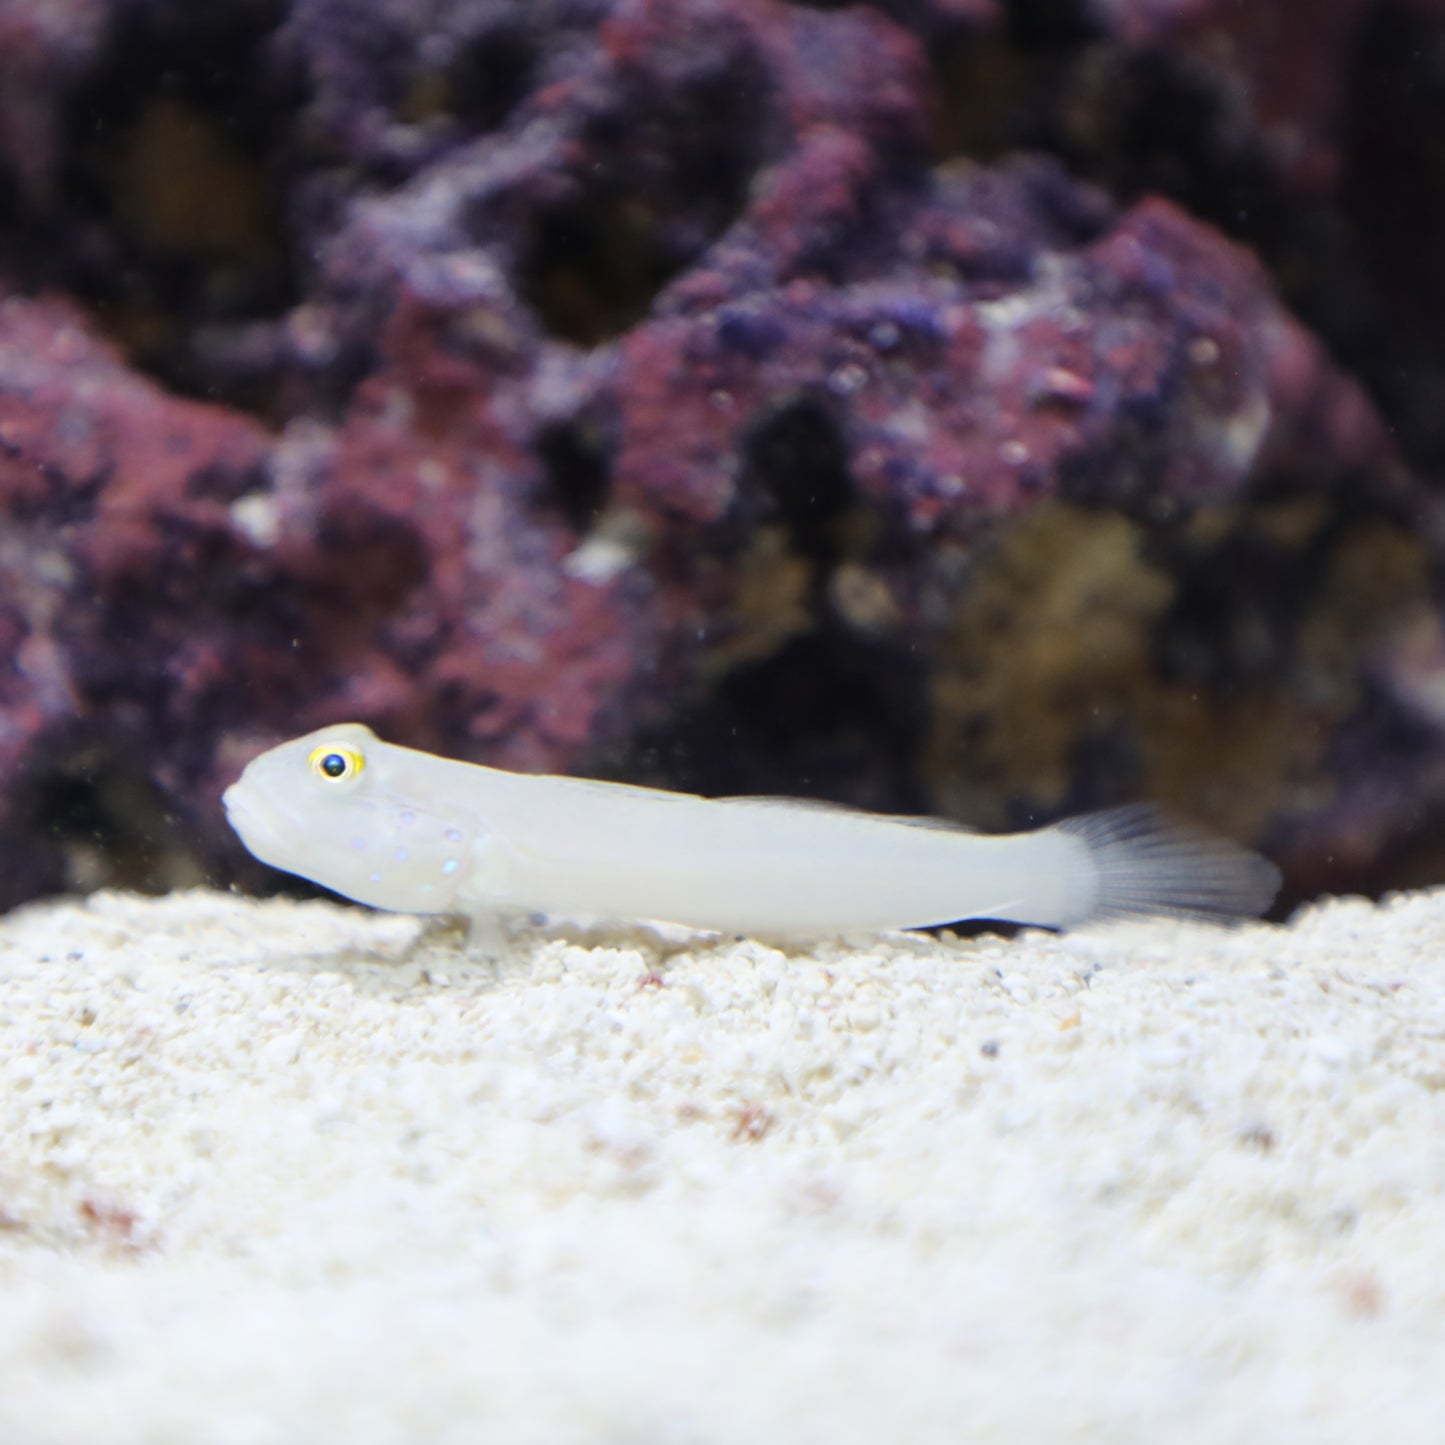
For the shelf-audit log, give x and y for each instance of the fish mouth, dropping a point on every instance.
(260, 834)
(235, 808)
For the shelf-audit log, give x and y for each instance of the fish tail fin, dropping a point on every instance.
(1143, 863)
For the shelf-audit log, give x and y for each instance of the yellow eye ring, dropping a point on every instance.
(335, 764)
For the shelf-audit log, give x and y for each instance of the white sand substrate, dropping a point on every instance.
(278, 1172)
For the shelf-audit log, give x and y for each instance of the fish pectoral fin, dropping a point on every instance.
(487, 939)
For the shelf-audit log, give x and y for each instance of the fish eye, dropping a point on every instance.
(335, 764)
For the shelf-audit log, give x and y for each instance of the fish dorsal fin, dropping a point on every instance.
(822, 805)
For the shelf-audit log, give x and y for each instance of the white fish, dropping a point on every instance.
(405, 830)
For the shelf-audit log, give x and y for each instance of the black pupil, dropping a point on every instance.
(333, 765)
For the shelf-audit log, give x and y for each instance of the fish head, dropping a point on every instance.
(356, 815)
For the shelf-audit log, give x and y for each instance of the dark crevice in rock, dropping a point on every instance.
(1050, 25)
(594, 263)
(578, 464)
(593, 268)
(490, 75)
(1393, 194)
(829, 715)
(176, 162)
(798, 459)
(1235, 616)
(994, 83)
(108, 823)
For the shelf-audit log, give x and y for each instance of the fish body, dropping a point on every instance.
(405, 830)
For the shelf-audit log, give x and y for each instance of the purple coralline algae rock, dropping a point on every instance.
(1151, 366)
(1280, 71)
(1308, 131)
(115, 542)
(628, 384)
